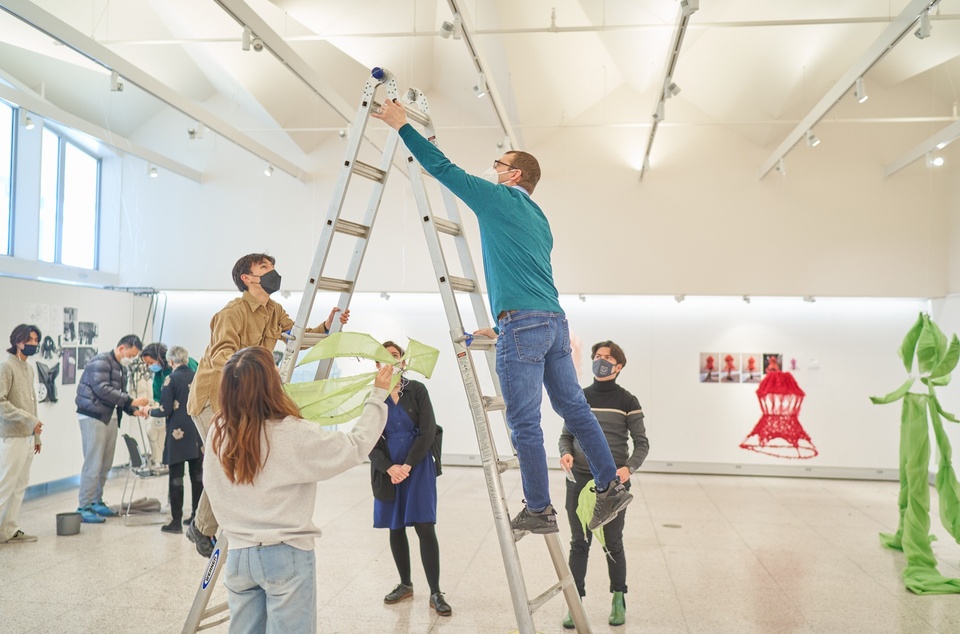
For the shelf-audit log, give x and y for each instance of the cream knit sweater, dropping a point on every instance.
(18, 399)
(278, 506)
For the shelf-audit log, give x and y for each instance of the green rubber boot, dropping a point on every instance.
(568, 622)
(618, 610)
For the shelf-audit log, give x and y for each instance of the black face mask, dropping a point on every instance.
(29, 350)
(270, 282)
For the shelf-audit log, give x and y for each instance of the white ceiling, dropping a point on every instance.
(755, 66)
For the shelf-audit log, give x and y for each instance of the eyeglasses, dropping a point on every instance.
(507, 165)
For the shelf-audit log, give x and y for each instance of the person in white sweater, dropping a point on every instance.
(260, 472)
(19, 430)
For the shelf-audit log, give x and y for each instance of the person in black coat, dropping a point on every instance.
(404, 480)
(183, 443)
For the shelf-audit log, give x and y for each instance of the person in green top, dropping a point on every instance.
(533, 349)
(154, 356)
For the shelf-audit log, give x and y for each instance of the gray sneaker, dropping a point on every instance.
(20, 538)
(541, 523)
(609, 503)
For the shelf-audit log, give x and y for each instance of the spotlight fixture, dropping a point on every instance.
(245, 38)
(679, 298)
(115, 84)
(448, 29)
(481, 88)
(385, 295)
(812, 139)
(934, 161)
(860, 92)
(689, 7)
(257, 44)
(26, 121)
(268, 170)
(672, 89)
(941, 145)
(782, 166)
(923, 31)
(504, 143)
(152, 172)
(659, 114)
(746, 299)
(809, 299)
(583, 297)
(342, 133)
(195, 132)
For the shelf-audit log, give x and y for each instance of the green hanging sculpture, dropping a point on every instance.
(936, 359)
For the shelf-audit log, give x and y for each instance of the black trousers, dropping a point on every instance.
(175, 487)
(580, 543)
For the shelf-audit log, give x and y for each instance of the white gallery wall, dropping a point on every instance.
(845, 351)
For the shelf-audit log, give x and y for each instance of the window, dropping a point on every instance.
(69, 203)
(6, 176)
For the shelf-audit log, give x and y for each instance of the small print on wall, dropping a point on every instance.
(69, 326)
(69, 376)
(772, 362)
(751, 370)
(88, 333)
(730, 367)
(709, 367)
(84, 355)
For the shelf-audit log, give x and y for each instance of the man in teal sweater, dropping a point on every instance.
(533, 349)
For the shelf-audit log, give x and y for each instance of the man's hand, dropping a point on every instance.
(624, 474)
(38, 428)
(486, 332)
(139, 402)
(36, 448)
(566, 462)
(344, 318)
(392, 113)
(397, 474)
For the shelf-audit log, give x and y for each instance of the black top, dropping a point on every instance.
(183, 439)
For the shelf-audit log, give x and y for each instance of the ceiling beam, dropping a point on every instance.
(686, 10)
(120, 143)
(467, 32)
(891, 36)
(96, 52)
(938, 141)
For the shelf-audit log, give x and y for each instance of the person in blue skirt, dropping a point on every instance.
(404, 481)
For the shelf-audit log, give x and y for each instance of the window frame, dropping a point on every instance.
(62, 141)
(15, 113)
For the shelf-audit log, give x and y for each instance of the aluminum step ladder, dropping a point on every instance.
(418, 112)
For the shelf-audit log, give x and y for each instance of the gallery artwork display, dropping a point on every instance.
(779, 432)
(738, 367)
(709, 367)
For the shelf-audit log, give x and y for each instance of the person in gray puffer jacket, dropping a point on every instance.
(101, 396)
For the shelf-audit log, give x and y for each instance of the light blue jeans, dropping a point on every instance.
(533, 352)
(99, 441)
(271, 590)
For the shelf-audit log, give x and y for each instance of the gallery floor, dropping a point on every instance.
(705, 553)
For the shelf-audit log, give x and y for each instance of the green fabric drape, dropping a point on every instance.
(338, 400)
(936, 359)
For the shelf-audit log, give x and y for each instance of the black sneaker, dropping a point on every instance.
(203, 543)
(541, 523)
(172, 527)
(609, 503)
(401, 592)
(438, 603)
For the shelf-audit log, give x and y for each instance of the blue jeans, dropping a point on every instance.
(272, 589)
(533, 352)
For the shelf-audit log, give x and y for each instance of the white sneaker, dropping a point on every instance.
(21, 538)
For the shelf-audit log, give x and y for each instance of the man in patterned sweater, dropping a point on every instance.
(621, 419)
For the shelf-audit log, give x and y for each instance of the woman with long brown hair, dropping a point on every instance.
(261, 473)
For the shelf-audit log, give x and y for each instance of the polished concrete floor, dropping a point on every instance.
(705, 554)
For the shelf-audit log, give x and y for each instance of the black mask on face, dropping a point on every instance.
(29, 349)
(270, 282)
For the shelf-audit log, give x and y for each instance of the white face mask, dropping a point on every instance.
(126, 361)
(491, 175)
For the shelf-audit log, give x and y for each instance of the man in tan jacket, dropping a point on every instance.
(250, 320)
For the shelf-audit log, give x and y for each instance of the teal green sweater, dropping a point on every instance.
(515, 236)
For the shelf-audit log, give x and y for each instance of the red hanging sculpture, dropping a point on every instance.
(779, 433)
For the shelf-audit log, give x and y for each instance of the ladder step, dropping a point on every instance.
(447, 227)
(551, 592)
(493, 403)
(413, 115)
(352, 228)
(462, 284)
(506, 465)
(334, 284)
(310, 339)
(367, 171)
